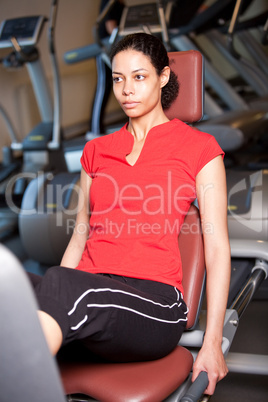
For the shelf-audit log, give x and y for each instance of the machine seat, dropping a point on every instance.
(120, 382)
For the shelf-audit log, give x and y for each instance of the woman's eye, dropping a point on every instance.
(140, 77)
(117, 79)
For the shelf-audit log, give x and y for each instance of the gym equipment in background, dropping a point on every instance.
(41, 149)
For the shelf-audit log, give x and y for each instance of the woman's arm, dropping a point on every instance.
(79, 237)
(212, 200)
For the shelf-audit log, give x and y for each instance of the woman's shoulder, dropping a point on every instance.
(189, 133)
(105, 140)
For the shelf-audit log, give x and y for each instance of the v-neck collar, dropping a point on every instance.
(129, 138)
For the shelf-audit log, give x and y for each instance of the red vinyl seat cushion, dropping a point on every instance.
(150, 381)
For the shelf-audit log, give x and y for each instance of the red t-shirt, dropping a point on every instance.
(137, 211)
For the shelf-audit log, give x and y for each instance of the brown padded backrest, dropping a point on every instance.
(193, 263)
(188, 107)
(188, 66)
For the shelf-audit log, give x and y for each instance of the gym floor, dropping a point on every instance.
(251, 337)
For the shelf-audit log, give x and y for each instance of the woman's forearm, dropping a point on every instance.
(80, 234)
(218, 279)
(73, 252)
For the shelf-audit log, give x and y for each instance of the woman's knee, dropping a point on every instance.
(51, 282)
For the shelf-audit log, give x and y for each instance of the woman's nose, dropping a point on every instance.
(128, 89)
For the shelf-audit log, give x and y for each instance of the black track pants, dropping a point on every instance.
(117, 318)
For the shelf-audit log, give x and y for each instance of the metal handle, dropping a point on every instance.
(197, 388)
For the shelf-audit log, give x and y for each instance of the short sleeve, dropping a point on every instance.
(87, 157)
(210, 150)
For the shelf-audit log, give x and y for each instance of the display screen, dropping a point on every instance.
(20, 28)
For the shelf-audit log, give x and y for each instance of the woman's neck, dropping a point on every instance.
(140, 126)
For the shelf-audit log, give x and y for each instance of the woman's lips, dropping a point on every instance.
(130, 105)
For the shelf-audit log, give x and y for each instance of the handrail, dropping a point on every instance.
(55, 143)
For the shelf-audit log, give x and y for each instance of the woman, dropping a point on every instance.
(123, 295)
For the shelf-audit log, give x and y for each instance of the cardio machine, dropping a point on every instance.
(253, 72)
(21, 35)
(239, 126)
(41, 149)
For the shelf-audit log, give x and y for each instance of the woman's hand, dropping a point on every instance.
(210, 359)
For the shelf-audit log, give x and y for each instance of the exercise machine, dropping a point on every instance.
(41, 149)
(21, 35)
(243, 126)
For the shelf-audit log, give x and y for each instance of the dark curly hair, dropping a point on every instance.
(152, 47)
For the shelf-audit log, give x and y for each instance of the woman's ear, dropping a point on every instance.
(165, 73)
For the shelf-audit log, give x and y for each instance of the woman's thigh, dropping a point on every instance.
(118, 318)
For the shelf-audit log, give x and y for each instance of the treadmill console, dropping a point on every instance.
(26, 30)
(139, 14)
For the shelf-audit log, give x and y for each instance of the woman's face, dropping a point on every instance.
(136, 84)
